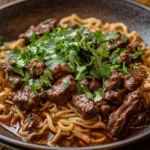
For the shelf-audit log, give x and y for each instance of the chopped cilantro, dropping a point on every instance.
(77, 48)
(46, 78)
(65, 83)
(103, 51)
(137, 54)
(125, 69)
(18, 70)
(114, 55)
(98, 94)
(124, 38)
(111, 36)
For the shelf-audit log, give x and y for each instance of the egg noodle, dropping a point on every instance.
(64, 121)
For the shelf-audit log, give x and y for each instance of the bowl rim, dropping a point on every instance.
(104, 146)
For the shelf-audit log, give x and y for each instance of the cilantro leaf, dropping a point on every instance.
(111, 36)
(81, 88)
(124, 38)
(46, 78)
(18, 70)
(114, 55)
(89, 95)
(65, 83)
(125, 69)
(104, 70)
(33, 38)
(138, 54)
(34, 85)
(53, 61)
(98, 94)
(26, 76)
(103, 51)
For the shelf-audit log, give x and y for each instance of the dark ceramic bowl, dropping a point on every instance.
(16, 17)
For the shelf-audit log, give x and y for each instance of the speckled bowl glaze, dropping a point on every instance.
(16, 17)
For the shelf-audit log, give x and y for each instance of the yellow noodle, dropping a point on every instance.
(5, 117)
(101, 139)
(57, 136)
(81, 136)
(50, 123)
(45, 127)
(16, 109)
(65, 125)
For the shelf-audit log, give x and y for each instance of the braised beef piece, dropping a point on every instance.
(113, 97)
(84, 81)
(125, 57)
(14, 81)
(114, 81)
(84, 106)
(61, 71)
(35, 68)
(133, 47)
(118, 119)
(138, 120)
(132, 81)
(6, 67)
(104, 108)
(26, 99)
(62, 90)
(94, 85)
(45, 26)
(31, 122)
(119, 42)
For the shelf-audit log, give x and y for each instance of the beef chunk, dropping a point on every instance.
(84, 81)
(132, 81)
(120, 117)
(6, 67)
(14, 81)
(125, 57)
(133, 47)
(114, 81)
(85, 107)
(104, 108)
(62, 90)
(113, 97)
(45, 26)
(94, 85)
(138, 120)
(61, 71)
(31, 122)
(26, 99)
(35, 68)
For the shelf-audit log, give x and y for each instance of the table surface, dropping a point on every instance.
(143, 144)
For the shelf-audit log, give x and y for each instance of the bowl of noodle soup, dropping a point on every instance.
(54, 121)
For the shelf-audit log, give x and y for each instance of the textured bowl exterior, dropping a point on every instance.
(16, 17)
